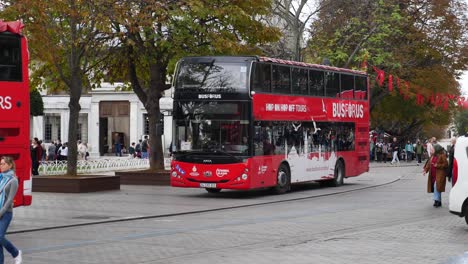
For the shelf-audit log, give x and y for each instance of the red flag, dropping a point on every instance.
(407, 90)
(380, 78)
(390, 83)
(446, 102)
(399, 85)
(419, 99)
(364, 63)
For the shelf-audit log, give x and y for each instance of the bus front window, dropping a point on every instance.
(212, 76)
(211, 126)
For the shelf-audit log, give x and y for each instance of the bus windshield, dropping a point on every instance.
(209, 75)
(211, 126)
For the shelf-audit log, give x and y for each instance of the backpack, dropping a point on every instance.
(138, 147)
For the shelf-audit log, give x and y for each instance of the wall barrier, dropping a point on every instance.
(93, 166)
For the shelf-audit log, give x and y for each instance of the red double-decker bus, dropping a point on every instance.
(14, 105)
(255, 122)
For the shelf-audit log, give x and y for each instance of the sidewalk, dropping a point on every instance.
(59, 210)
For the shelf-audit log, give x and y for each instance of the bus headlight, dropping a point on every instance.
(174, 174)
(244, 176)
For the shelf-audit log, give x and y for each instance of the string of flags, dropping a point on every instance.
(438, 100)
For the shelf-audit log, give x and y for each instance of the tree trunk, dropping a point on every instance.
(74, 106)
(157, 86)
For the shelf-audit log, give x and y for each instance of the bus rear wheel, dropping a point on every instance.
(212, 190)
(283, 180)
(339, 174)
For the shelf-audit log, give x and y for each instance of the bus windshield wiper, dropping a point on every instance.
(219, 150)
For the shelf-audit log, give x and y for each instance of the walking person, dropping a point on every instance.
(8, 188)
(36, 156)
(419, 151)
(430, 146)
(436, 167)
(395, 149)
(451, 154)
(51, 152)
(144, 148)
(131, 150)
(385, 151)
(409, 151)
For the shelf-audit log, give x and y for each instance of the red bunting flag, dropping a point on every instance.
(407, 90)
(390, 83)
(364, 63)
(446, 103)
(419, 99)
(380, 78)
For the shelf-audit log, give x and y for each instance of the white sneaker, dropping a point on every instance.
(19, 258)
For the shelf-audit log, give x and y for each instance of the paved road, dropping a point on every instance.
(393, 223)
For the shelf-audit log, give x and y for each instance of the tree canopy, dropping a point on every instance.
(422, 42)
(66, 48)
(154, 34)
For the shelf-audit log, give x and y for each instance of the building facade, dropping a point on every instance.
(107, 116)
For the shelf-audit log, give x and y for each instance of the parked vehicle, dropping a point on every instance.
(459, 193)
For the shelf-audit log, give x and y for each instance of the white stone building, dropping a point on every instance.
(104, 112)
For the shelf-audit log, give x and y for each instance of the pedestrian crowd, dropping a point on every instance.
(386, 149)
(438, 166)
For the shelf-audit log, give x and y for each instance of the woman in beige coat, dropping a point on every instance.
(436, 167)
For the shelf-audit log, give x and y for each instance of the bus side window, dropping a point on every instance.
(361, 88)
(281, 79)
(332, 86)
(316, 83)
(299, 81)
(347, 86)
(262, 77)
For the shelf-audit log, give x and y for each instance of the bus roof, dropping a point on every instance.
(310, 65)
(14, 27)
(281, 61)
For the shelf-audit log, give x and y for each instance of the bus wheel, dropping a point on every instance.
(211, 190)
(465, 211)
(339, 174)
(283, 180)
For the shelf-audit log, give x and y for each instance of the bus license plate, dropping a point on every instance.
(207, 185)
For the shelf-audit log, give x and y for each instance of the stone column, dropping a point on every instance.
(64, 120)
(93, 130)
(134, 122)
(38, 125)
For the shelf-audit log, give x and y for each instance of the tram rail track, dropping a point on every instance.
(158, 216)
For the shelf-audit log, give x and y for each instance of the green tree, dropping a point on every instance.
(36, 103)
(461, 122)
(65, 43)
(424, 43)
(153, 34)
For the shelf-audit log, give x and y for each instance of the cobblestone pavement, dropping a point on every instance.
(393, 223)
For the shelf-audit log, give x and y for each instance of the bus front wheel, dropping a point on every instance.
(212, 190)
(283, 180)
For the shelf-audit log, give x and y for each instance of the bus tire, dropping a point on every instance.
(211, 190)
(283, 180)
(465, 211)
(339, 174)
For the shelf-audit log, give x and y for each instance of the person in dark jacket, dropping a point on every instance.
(451, 154)
(36, 155)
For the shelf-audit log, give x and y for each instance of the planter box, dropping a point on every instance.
(145, 177)
(75, 184)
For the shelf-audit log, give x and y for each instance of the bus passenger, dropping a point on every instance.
(268, 148)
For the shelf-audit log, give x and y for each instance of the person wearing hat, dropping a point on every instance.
(435, 168)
